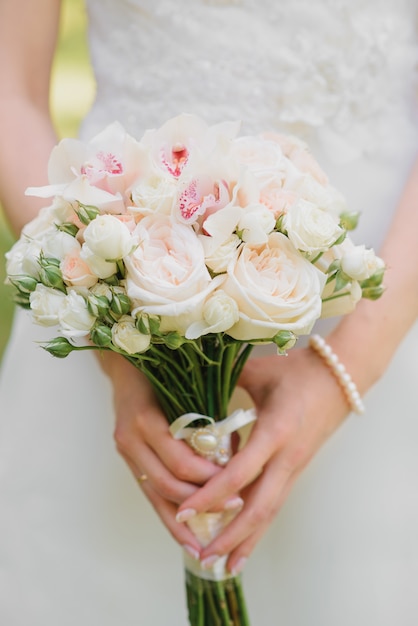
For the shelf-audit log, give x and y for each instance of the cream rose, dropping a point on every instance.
(220, 312)
(46, 304)
(258, 154)
(74, 317)
(76, 272)
(166, 273)
(108, 238)
(102, 289)
(126, 336)
(309, 228)
(275, 288)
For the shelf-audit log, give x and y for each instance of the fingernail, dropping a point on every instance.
(195, 554)
(239, 566)
(233, 504)
(185, 515)
(209, 561)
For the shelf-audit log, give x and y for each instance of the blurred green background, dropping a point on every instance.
(72, 92)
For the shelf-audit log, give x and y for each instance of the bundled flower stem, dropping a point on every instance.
(213, 603)
(202, 380)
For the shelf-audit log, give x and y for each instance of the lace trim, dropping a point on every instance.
(294, 64)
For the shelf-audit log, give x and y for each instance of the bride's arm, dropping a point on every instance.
(299, 402)
(28, 34)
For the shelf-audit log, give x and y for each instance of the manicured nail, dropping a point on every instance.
(185, 515)
(195, 554)
(209, 561)
(233, 504)
(239, 566)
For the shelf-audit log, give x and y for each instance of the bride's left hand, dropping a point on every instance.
(299, 405)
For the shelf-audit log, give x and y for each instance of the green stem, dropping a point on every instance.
(209, 346)
(213, 609)
(222, 602)
(239, 594)
(228, 363)
(239, 364)
(334, 297)
(195, 585)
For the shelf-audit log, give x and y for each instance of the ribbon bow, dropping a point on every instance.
(213, 441)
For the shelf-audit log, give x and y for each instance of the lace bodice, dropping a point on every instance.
(334, 66)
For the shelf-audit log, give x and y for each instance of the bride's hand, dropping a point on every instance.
(299, 405)
(167, 470)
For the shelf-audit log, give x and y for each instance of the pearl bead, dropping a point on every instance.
(344, 379)
(204, 441)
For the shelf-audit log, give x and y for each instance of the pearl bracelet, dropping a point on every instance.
(344, 379)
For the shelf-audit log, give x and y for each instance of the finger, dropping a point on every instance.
(167, 513)
(239, 556)
(178, 457)
(263, 499)
(243, 468)
(163, 482)
(151, 427)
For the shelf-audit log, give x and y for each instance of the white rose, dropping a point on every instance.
(220, 312)
(46, 304)
(309, 228)
(62, 210)
(166, 273)
(155, 194)
(256, 223)
(74, 318)
(108, 238)
(275, 288)
(325, 197)
(100, 267)
(126, 336)
(59, 245)
(41, 225)
(23, 257)
(342, 305)
(220, 257)
(360, 263)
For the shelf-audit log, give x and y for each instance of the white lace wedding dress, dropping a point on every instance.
(79, 544)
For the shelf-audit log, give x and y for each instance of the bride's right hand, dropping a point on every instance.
(173, 471)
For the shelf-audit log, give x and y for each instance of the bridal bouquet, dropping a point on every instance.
(180, 252)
